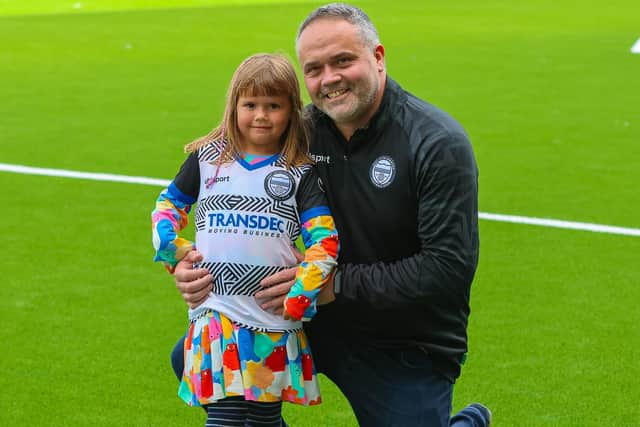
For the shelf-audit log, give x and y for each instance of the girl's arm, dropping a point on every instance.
(320, 259)
(320, 239)
(167, 219)
(170, 214)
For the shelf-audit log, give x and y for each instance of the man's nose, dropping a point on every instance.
(330, 76)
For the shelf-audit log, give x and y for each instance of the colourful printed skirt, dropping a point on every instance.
(223, 359)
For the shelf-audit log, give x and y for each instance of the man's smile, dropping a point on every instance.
(335, 93)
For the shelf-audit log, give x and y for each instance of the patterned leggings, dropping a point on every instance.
(237, 412)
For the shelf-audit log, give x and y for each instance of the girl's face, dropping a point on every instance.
(262, 120)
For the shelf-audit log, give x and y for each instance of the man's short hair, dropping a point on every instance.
(351, 14)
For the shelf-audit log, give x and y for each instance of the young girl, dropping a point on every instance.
(256, 192)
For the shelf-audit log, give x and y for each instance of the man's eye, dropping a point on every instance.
(312, 71)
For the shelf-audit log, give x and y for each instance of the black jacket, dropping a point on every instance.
(404, 195)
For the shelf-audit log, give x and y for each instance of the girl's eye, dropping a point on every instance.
(249, 105)
(274, 106)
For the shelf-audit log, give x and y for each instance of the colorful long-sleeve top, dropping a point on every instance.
(247, 218)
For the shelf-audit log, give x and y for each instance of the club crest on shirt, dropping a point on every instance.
(383, 171)
(279, 185)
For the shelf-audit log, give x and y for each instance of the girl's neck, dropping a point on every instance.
(255, 158)
(258, 150)
(263, 153)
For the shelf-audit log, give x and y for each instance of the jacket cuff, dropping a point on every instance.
(337, 283)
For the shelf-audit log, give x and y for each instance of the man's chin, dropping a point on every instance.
(339, 115)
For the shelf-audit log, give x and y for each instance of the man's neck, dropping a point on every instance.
(348, 130)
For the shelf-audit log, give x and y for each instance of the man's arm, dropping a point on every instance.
(445, 174)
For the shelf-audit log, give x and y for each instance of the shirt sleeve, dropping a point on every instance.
(320, 239)
(446, 178)
(170, 215)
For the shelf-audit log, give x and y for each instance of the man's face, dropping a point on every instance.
(344, 78)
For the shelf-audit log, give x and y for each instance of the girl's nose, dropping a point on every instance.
(261, 113)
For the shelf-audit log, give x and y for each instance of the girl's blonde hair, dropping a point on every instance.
(261, 74)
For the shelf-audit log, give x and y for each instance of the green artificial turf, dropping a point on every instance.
(548, 92)
(48, 7)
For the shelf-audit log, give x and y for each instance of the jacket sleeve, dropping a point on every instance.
(446, 182)
(320, 239)
(170, 216)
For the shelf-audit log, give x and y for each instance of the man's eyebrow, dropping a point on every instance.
(342, 54)
(310, 64)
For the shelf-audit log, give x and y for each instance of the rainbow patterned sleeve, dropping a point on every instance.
(167, 219)
(320, 259)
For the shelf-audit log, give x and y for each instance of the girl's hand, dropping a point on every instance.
(326, 295)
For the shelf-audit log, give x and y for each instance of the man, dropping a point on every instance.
(401, 181)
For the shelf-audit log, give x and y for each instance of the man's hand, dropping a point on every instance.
(276, 287)
(194, 284)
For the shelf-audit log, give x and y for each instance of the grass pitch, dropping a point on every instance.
(548, 92)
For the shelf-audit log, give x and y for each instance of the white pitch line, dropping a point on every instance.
(545, 222)
(636, 47)
(29, 170)
(556, 223)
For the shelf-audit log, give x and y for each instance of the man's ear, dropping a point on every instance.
(378, 53)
